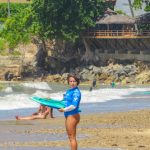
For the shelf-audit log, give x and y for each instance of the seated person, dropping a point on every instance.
(42, 113)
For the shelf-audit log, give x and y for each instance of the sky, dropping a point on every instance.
(124, 6)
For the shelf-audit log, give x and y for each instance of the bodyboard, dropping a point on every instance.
(143, 92)
(146, 92)
(49, 102)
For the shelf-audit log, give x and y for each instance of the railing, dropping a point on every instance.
(116, 33)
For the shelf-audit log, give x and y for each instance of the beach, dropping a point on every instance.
(111, 119)
(115, 131)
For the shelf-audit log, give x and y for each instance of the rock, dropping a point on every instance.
(96, 70)
(143, 77)
(118, 73)
(84, 71)
(87, 76)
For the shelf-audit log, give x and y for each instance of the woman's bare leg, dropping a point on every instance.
(30, 117)
(51, 113)
(71, 124)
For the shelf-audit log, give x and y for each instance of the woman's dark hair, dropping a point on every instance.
(76, 77)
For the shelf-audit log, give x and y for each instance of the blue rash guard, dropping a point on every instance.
(72, 97)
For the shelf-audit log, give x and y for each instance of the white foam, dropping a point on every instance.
(37, 85)
(41, 94)
(101, 95)
(8, 90)
(16, 101)
(107, 94)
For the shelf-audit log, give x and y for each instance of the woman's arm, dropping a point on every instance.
(69, 108)
(36, 113)
(46, 112)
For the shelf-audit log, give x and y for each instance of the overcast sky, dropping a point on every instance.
(124, 6)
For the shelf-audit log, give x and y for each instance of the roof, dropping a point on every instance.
(115, 19)
(111, 1)
(143, 19)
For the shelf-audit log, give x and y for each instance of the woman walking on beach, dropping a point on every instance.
(71, 111)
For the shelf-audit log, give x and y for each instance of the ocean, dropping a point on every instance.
(15, 98)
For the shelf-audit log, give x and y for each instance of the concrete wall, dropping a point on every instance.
(11, 64)
(128, 56)
(122, 49)
(7, 60)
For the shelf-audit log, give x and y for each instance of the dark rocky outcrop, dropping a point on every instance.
(132, 73)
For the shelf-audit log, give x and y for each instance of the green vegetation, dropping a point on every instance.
(15, 1)
(66, 19)
(120, 12)
(2, 45)
(147, 8)
(139, 3)
(144, 26)
(16, 53)
(15, 8)
(15, 29)
(49, 19)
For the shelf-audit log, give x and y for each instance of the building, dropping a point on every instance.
(115, 36)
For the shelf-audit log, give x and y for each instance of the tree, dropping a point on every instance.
(16, 30)
(20, 28)
(139, 3)
(66, 19)
(14, 7)
(132, 13)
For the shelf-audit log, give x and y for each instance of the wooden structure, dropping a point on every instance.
(115, 36)
(117, 26)
(113, 2)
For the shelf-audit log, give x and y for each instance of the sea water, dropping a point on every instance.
(15, 98)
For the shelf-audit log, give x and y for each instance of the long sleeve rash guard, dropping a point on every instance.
(72, 100)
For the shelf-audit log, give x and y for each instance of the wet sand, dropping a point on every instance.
(124, 130)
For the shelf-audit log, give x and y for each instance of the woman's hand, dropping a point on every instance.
(61, 109)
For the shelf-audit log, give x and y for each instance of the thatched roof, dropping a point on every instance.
(143, 19)
(115, 19)
(112, 1)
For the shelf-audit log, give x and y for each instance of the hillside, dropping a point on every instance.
(14, 63)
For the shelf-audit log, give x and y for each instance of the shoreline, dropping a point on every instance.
(112, 106)
(125, 130)
(83, 83)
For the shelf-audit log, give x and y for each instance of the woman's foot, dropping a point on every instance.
(17, 117)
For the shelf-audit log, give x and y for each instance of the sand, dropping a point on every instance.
(123, 130)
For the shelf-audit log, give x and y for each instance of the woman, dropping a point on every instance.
(42, 113)
(71, 111)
